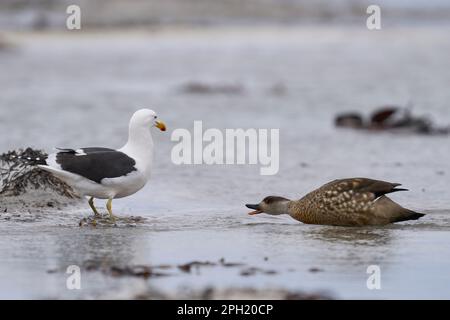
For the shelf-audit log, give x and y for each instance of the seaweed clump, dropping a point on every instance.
(19, 173)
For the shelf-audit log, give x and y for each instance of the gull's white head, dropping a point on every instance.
(146, 118)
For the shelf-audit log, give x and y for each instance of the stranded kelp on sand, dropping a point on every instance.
(19, 174)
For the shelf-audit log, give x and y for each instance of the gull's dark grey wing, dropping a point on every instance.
(95, 164)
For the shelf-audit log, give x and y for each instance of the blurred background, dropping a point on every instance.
(287, 64)
(50, 14)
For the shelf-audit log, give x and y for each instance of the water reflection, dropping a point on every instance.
(108, 247)
(355, 237)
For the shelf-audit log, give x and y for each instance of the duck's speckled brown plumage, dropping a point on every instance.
(351, 202)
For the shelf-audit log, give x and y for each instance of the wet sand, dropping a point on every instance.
(80, 90)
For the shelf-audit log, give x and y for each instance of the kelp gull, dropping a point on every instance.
(108, 173)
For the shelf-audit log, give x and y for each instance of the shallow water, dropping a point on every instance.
(79, 90)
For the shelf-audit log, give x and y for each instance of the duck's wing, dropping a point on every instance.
(92, 163)
(361, 186)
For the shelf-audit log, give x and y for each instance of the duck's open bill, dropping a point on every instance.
(255, 207)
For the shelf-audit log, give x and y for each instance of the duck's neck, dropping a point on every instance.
(287, 207)
(290, 207)
(281, 207)
(140, 147)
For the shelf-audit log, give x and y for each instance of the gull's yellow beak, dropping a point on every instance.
(160, 125)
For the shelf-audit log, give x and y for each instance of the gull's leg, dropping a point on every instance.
(91, 204)
(109, 207)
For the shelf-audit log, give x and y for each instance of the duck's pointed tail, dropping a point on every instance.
(393, 212)
(408, 215)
